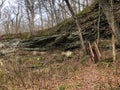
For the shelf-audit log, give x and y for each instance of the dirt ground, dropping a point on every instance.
(52, 70)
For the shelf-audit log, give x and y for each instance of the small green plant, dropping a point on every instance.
(40, 58)
(65, 87)
(106, 62)
(62, 88)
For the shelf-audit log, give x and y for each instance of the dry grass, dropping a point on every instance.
(53, 71)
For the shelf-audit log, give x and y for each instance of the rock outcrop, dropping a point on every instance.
(65, 37)
(60, 41)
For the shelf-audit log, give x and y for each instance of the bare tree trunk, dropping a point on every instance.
(74, 6)
(98, 27)
(79, 6)
(113, 32)
(40, 11)
(78, 26)
(83, 4)
(87, 3)
(6, 27)
(16, 23)
(12, 25)
(106, 7)
(18, 16)
(63, 10)
(55, 12)
(49, 23)
(32, 22)
(31, 14)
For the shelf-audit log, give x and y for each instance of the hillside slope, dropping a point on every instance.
(65, 35)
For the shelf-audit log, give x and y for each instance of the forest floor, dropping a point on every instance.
(52, 70)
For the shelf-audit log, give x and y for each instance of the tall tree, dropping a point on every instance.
(98, 25)
(40, 12)
(7, 21)
(49, 12)
(18, 16)
(30, 9)
(107, 7)
(79, 5)
(113, 30)
(77, 24)
(108, 11)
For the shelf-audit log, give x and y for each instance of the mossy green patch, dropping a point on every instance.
(105, 44)
(25, 35)
(106, 62)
